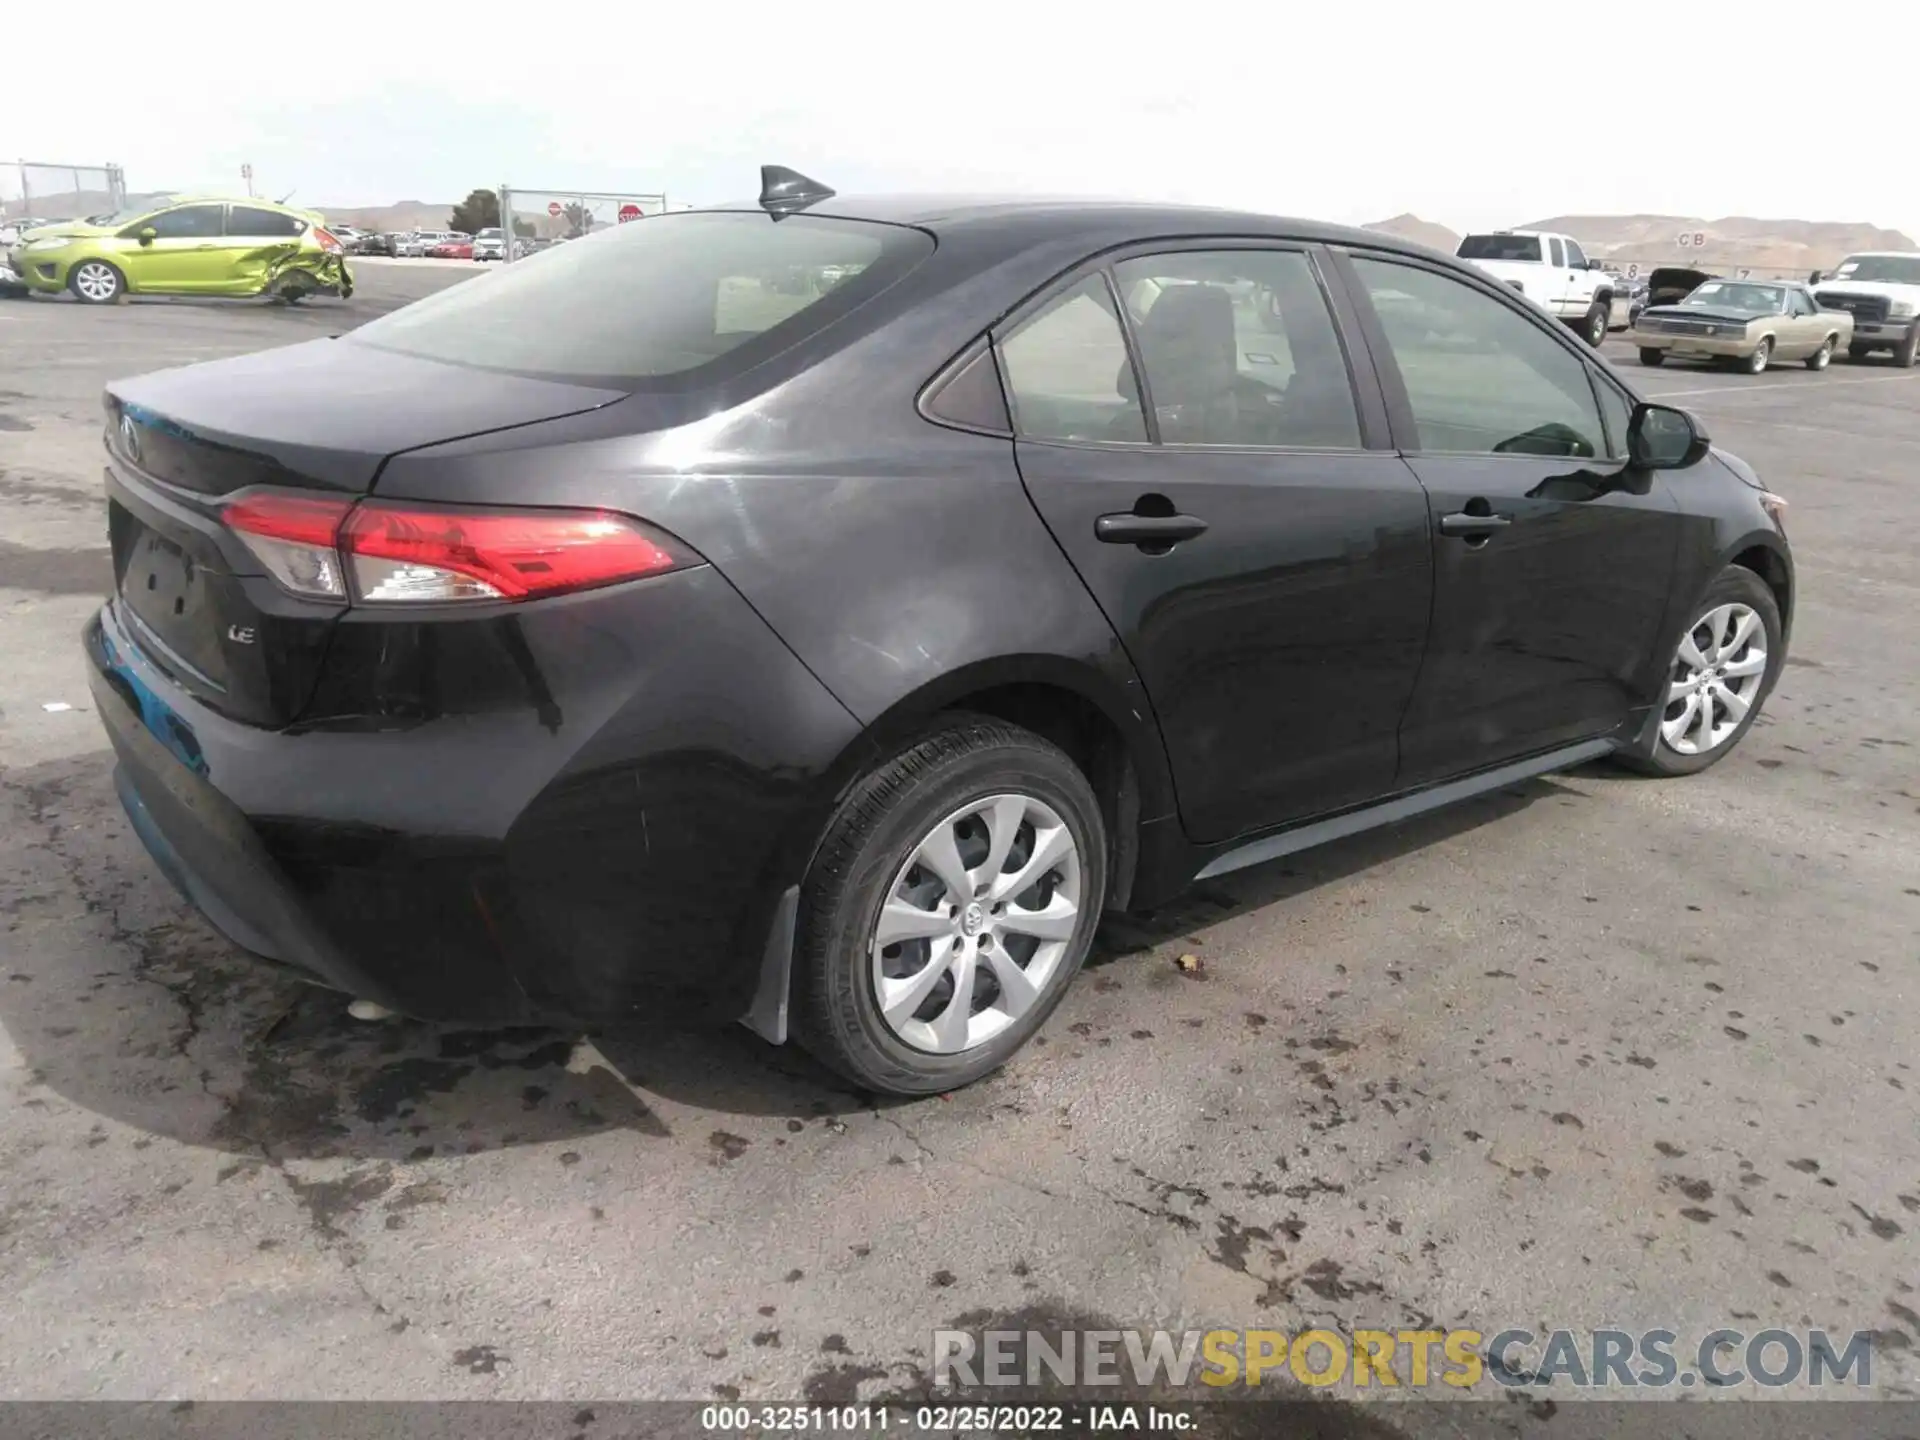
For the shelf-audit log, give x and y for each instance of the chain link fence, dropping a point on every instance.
(44, 191)
(540, 218)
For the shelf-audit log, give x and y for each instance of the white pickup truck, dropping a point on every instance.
(1881, 291)
(1550, 270)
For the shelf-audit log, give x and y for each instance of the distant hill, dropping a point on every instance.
(407, 215)
(1736, 240)
(1421, 232)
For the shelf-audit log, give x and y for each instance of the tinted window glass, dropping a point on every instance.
(1480, 376)
(187, 222)
(249, 220)
(1500, 247)
(1617, 410)
(1239, 349)
(1576, 257)
(1067, 371)
(673, 296)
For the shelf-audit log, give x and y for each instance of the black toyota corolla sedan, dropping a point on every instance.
(817, 612)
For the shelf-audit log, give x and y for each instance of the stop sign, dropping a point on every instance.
(629, 211)
(555, 209)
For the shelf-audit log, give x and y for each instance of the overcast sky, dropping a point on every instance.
(1474, 115)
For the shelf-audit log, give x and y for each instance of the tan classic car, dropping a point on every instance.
(1750, 323)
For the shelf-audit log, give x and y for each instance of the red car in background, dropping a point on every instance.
(457, 250)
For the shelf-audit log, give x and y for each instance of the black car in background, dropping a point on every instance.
(648, 636)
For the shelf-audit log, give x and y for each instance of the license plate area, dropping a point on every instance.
(175, 598)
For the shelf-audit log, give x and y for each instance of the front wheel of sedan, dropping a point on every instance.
(1720, 674)
(95, 282)
(951, 903)
(1822, 357)
(1761, 358)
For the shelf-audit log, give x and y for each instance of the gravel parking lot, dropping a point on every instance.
(1592, 1051)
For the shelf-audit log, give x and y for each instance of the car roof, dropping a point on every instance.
(1028, 218)
(1881, 255)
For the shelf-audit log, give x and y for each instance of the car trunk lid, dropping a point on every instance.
(319, 418)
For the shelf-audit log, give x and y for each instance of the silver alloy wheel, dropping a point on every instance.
(1716, 678)
(96, 281)
(1597, 331)
(1757, 362)
(976, 923)
(1822, 355)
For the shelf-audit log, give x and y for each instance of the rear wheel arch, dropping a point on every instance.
(1116, 745)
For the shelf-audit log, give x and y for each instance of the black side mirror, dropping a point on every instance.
(149, 235)
(1663, 438)
(1814, 278)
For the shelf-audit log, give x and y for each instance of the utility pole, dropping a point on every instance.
(246, 174)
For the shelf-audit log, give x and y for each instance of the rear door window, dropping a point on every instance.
(251, 221)
(1067, 370)
(694, 294)
(1239, 349)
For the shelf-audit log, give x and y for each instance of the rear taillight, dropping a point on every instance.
(294, 537)
(328, 241)
(384, 553)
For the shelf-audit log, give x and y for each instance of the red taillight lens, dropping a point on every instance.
(403, 553)
(392, 553)
(328, 241)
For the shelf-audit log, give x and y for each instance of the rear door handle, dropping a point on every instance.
(1473, 526)
(1129, 529)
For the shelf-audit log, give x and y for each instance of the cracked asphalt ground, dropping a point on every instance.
(1592, 1051)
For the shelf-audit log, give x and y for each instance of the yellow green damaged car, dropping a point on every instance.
(235, 248)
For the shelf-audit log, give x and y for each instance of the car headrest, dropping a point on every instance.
(1187, 342)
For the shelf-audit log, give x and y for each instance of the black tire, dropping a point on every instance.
(885, 814)
(1653, 357)
(1594, 328)
(1909, 349)
(1734, 585)
(1756, 363)
(1857, 353)
(99, 297)
(1822, 357)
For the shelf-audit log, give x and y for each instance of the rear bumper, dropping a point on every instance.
(611, 847)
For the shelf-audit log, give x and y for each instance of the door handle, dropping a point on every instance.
(1129, 529)
(1473, 526)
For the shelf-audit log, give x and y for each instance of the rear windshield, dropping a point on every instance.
(671, 295)
(1500, 247)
